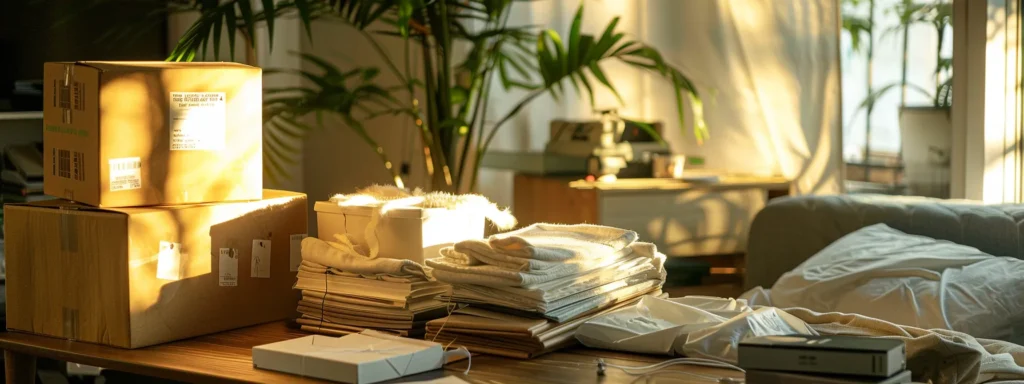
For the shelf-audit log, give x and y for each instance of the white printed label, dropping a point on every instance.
(228, 267)
(125, 173)
(198, 121)
(295, 251)
(168, 264)
(260, 259)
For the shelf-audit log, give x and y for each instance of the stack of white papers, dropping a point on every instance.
(497, 333)
(337, 303)
(566, 298)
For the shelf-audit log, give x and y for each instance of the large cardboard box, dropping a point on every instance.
(125, 134)
(133, 277)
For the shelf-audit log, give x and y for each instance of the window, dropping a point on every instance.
(896, 58)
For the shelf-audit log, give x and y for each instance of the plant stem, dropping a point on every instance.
(940, 27)
(490, 136)
(442, 176)
(906, 40)
(867, 123)
(479, 110)
(481, 102)
(417, 120)
(443, 42)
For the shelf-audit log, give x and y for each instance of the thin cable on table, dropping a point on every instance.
(653, 369)
(719, 380)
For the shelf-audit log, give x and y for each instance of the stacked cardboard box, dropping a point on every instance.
(163, 231)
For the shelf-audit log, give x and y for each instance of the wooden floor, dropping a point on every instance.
(227, 357)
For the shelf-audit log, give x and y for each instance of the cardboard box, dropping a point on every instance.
(410, 233)
(126, 134)
(133, 277)
(360, 358)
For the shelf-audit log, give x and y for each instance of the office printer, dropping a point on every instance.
(610, 146)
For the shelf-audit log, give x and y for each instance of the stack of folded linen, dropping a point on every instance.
(343, 292)
(526, 291)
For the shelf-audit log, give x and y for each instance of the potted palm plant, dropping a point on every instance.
(925, 130)
(448, 99)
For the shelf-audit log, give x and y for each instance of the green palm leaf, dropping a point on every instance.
(558, 63)
(351, 95)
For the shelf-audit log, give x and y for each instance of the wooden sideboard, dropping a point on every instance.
(681, 218)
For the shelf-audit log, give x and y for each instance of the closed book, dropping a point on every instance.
(840, 355)
(773, 377)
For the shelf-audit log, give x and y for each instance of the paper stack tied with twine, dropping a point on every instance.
(524, 292)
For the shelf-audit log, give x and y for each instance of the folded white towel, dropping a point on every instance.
(450, 268)
(338, 256)
(479, 252)
(557, 242)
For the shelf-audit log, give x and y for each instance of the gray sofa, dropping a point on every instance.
(792, 229)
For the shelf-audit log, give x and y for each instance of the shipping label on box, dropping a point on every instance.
(198, 121)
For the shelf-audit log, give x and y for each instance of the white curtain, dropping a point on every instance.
(768, 70)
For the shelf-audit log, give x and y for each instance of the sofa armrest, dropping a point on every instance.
(790, 230)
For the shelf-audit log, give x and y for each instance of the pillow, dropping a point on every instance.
(918, 281)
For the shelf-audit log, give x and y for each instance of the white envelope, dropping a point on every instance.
(694, 326)
(362, 358)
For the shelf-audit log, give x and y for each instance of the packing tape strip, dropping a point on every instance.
(70, 318)
(69, 72)
(68, 229)
(69, 75)
(69, 244)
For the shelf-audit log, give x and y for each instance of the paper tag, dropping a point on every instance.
(295, 251)
(260, 258)
(125, 173)
(168, 264)
(198, 121)
(228, 267)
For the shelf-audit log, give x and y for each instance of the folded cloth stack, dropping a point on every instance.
(344, 292)
(527, 290)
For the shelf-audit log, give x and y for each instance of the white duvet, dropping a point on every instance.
(712, 328)
(948, 302)
(917, 281)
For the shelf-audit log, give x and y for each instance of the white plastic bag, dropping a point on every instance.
(695, 326)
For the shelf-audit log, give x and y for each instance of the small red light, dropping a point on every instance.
(591, 178)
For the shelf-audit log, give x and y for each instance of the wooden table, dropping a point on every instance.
(227, 357)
